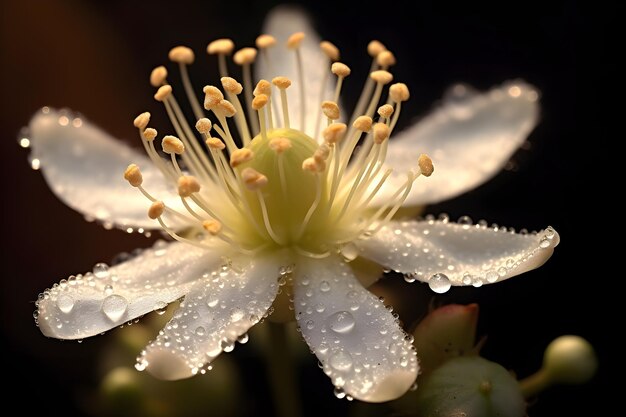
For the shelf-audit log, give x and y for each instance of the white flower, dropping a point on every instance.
(292, 207)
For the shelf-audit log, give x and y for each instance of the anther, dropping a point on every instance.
(265, 41)
(240, 156)
(322, 153)
(259, 102)
(340, 69)
(181, 55)
(280, 145)
(156, 210)
(386, 110)
(142, 120)
(171, 144)
(225, 108)
(295, 40)
(187, 185)
(330, 110)
(374, 48)
(363, 123)
(313, 165)
(212, 97)
(132, 174)
(245, 56)
(215, 143)
(231, 85)
(381, 77)
(386, 59)
(426, 165)
(263, 87)
(334, 133)
(281, 82)
(381, 133)
(149, 134)
(331, 51)
(163, 92)
(204, 125)
(399, 92)
(221, 46)
(212, 226)
(253, 179)
(158, 76)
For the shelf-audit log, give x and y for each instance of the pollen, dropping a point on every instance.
(163, 92)
(340, 69)
(240, 156)
(399, 92)
(221, 46)
(330, 109)
(330, 50)
(142, 120)
(381, 133)
(334, 133)
(382, 77)
(280, 145)
(253, 179)
(281, 82)
(158, 76)
(295, 40)
(172, 145)
(187, 185)
(181, 55)
(203, 125)
(386, 59)
(259, 102)
(265, 41)
(156, 210)
(212, 97)
(262, 87)
(363, 123)
(133, 175)
(212, 226)
(214, 143)
(150, 134)
(231, 85)
(386, 110)
(426, 165)
(245, 56)
(374, 48)
(225, 108)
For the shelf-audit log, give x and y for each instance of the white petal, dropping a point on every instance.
(282, 22)
(359, 342)
(443, 253)
(469, 138)
(84, 167)
(88, 305)
(217, 311)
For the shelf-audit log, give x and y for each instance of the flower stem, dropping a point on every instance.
(534, 384)
(281, 372)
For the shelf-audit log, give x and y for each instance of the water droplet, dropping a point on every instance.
(544, 243)
(320, 308)
(439, 283)
(502, 271)
(341, 361)
(492, 276)
(410, 278)
(413, 387)
(101, 270)
(213, 302)
(243, 339)
(465, 221)
(114, 307)
(443, 218)
(200, 331)
(341, 322)
(108, 289)
(477, 282)
(324, 286)
(310, 324)
(65, 303)
(227, 346)
(160, 307)
(236, 314)
(349, 252)
(339, 393)
(35, 163)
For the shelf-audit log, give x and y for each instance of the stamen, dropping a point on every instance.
(398, 93)
(373, 49)
(142, 120)
(314, 205)
(221, 47)
(265, 41)
(264, 87)
(381, 133)
(156, 210)
(426, 165)
(322, 152)
(334, 133)
(332, 52)
(212, 226)
(245, 57)
(283, 83)
(313, 165)
(172, 145)
(233, 89)
(330, 110)
(185, 56)
(158, 76)
(385, 59)
(341, 71)
(212, 97)
(382, 78)
(132, 174)
(149, 134)
(163, 92)
(258, 104)
(203, 126)
(187, 185)
(240, 156)
(293, 43)
(181, 54)
(280, 145)
(385, 111)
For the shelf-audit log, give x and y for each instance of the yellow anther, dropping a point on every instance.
(382, 77)
(181, 55)
(426, 165)
(381, 133)
(386, 110)
(399, 92)
(212, 226)
(221, 46)
(156, 210)
(321, 153)
(231, 85)
(225, 108)
(245, 56)
(281, 82)
(263, 87)
(374, 48)
(280, 144)
(212, 97)
(142, 120)
(163, 92)
(313, 165)
(158, 76)
(340, 69)
(259, 102)
(330, 110)
(215, 143)
(187, 185)
(171, 144)
(240, 156)
(334, 133)
(253, 179)
(386, 59)
(363, 123)
(204, 125)
(132, 174)
(149, 134)
(295, 40)
(331, 51)
(265, 41)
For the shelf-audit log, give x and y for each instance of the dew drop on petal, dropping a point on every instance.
(160, 307)
(339, 393)
(65, 303)
(341, 322)
(236, 314)
(114, 307)
(492, 276)
(200, 331)
(243, 339)
(101, 270)
(324, 286)
(439, 283)
(341, 361)
(108, 289)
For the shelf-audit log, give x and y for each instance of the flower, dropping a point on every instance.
(290, 207)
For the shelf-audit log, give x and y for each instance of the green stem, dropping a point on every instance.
(535, 383)
(281, 372)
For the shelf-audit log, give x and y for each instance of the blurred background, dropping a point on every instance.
(95, 57)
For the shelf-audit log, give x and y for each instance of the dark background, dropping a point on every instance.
(96, 57)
